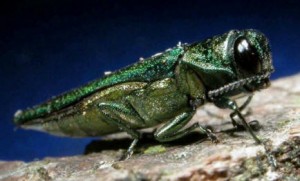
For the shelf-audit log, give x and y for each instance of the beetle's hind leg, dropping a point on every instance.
(172, 130)
(125, 118)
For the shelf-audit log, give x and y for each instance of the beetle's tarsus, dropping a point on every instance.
(254, 124)
(213, 137)
(272, 160)
(130, 150)
(209, 134)
(270, 156)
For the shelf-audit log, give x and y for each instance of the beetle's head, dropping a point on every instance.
(235, 61)
(251, 55)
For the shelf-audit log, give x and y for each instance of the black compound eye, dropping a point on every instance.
(246, 56)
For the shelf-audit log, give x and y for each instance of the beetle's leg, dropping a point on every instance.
(130, 150)
(116, 114)
(246, 103)
(172, 129)
(241, 108)
(254, 124)
(227, 103)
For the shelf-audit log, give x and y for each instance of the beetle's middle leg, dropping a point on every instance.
(172, 130)
(125, 119)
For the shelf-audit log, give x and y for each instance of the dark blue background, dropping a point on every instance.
(50, 46)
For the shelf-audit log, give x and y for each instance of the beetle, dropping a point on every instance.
(165, 88)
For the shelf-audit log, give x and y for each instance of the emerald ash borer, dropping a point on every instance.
(166, 89)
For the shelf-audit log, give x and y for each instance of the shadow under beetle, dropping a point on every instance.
(165, 88)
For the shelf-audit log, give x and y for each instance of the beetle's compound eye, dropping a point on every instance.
(246, 56)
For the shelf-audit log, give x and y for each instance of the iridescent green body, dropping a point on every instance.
(165, 88)
(154, 68)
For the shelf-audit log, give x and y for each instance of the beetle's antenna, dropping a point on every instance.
(234, 85)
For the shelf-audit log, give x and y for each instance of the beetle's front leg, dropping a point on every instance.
(241, 108)
(253, 124)
(172, 130)
(227, 103)
(125, 118)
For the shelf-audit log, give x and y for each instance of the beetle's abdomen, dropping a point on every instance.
(84, 118)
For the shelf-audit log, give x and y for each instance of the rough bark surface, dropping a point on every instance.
(235, 157)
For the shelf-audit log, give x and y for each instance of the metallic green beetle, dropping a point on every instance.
(165, 88)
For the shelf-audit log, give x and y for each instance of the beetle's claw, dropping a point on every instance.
(126, 156)
(212, 136)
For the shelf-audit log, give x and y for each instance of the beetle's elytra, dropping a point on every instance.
(165, 88)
